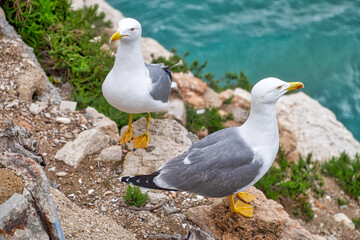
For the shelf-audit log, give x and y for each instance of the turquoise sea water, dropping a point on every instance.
(315, 42)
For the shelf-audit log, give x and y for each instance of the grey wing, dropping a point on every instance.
(161, 82)
(216, 166)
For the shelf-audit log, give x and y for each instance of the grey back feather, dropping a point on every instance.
(161, 81)
(219, 165)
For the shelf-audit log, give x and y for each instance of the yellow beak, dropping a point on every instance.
(295, 85)
(116, 36)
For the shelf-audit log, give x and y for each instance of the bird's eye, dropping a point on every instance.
(279, 87)
(132, 29)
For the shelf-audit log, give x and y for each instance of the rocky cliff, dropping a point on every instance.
(84, 158)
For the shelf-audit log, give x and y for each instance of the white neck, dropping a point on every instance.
(261, 128)
(129, 57)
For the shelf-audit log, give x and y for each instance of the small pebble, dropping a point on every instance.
(52, 169)
(107, 193)
(91, 191)
(199, 197)
(61, 174)
(63, 120)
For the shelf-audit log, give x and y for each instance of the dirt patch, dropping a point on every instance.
(92, 224)
(10, 183)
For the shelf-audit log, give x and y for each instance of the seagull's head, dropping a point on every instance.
(129, 30)
(269, 90)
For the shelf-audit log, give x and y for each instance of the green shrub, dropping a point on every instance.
(356, 221)
(194, 67)
(292, 180)
(134, 196)
(210, 119)
(341, 202)
(228, 81)
(68, 44)
(346, 172)
(229, 100)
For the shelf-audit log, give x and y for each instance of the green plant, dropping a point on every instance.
(229, 100)
(210, 119)
(293, 181)
(341, 202)
(194, 67)
(229, 80)
(356, 221)
(68, 45)
(346, 172)
(134, 196)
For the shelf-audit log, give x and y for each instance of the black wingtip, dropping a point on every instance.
(146, 181)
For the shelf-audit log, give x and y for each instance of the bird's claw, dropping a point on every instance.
(243, 208)
(141, 141)
(246, 197)
(127, 136)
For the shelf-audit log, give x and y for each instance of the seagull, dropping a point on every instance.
(133, 86)
(230, 160)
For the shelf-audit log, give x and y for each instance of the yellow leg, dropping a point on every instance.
(246, 197)
(142, 141)
(127, 136)
(242, 208)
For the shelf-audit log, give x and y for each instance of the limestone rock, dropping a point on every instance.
(18, 66)
(270, 221)
(196, 101)
(92, 114)
(73, 217)
(11, 211)
(68, 105)
(212, 98)
(32, 213)
(31, 82)
(242, 98)
(104, 124)
(35, 109)
(156, 198)
(288, 143)
(176, 110)
(240, 115)
(315, 127)
(168, 139)
(191, 88)
(342, 218)
(63, 120)
(187, 82)
(112, 153)
(153, 49)
(108, 127)
(226, 94)
(87, 142)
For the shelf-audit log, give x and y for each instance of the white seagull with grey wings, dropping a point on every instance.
(230, 160)
(133, 86)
